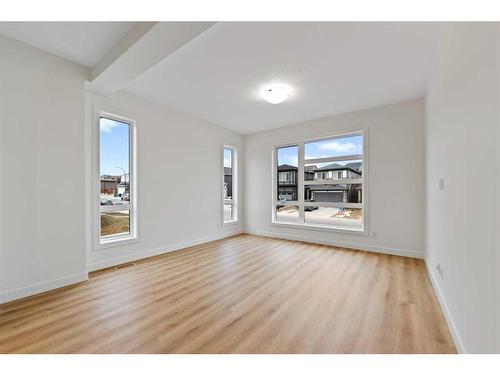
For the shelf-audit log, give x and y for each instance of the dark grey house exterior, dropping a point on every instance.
(334, 192)
(287, 181)
(228, 182)
(345, 193)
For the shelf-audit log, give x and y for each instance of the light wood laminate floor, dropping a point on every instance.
(244, 294)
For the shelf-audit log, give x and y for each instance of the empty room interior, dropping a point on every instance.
(249, 187)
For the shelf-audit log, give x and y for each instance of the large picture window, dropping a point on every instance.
(320, 183)
(116, 179)
(229, 201)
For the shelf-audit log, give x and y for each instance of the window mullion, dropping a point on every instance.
(114, 208)
(300, 183)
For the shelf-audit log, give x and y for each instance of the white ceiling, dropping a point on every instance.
(332, 68)
(82, 42)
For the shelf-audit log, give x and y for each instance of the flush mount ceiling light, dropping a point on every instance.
(276, 94)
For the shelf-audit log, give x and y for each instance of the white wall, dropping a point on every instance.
(41, 162)
(395, 178)
(179, 179)
(462, 146)
(46, 176)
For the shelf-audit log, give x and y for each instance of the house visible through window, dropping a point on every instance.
(116, 198)
(229, 205)
(320, 183)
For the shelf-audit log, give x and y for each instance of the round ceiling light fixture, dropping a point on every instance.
(276, 94)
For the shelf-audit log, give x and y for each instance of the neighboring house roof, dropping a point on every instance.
(358, 165)
(287, 167)
(355, 167)
(106, 177)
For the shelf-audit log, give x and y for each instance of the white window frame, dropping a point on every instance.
(119, 239)
(301, 183)
(234, 171)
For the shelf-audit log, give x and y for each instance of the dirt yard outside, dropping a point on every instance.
(117, 222)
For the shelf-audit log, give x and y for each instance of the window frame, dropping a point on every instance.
(132, 236)
(301, 224)
(234, 173)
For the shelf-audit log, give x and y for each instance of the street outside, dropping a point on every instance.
(321, 216)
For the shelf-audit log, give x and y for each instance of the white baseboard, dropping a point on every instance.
(165, 249)
(42, 287)
(459, 344)
(348, 245)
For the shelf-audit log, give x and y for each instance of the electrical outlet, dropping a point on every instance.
(440, 270)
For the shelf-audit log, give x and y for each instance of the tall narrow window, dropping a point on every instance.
(320, 183)
(116, 179)
(287, 190)
(229, 189)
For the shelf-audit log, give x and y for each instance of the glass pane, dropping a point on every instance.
(115, 223)
(350, 145)
(287, 213)
(332, 216)
(287, 173)
(228, 212)
(334, 191)
(114, 162)
(228, 173)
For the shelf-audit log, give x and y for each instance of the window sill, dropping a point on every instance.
(320, 228)
(230, 223)
(115, 242)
